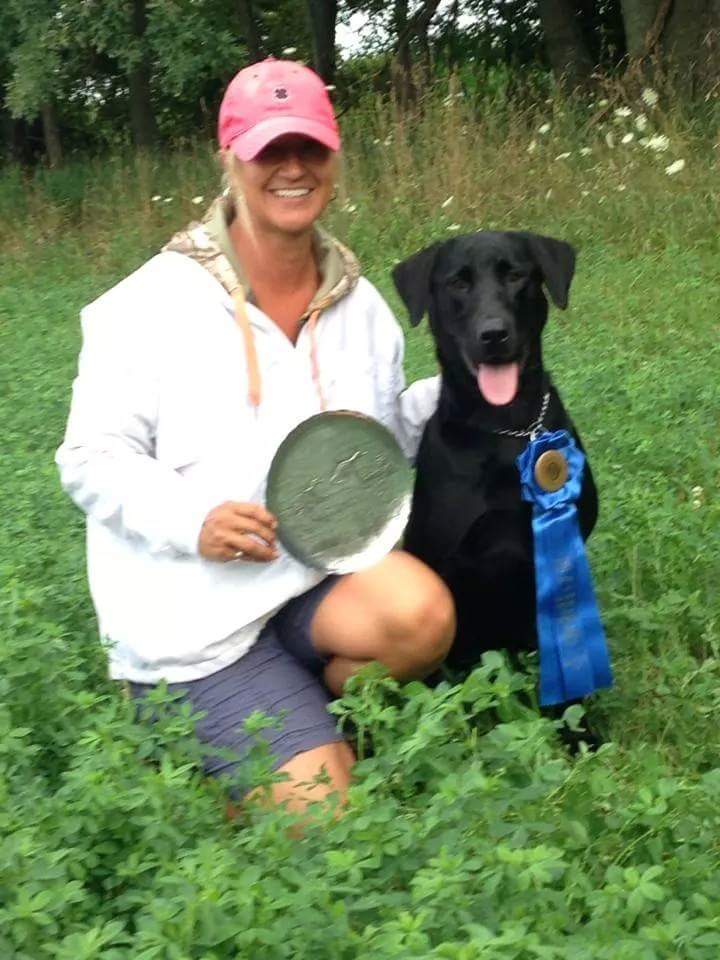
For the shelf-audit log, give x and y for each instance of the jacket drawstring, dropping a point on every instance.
(251, 357)
(315, 366)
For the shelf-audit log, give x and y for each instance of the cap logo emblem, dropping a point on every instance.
(280, 93)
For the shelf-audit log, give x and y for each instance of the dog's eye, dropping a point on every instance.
(461, 282)
(516, 276)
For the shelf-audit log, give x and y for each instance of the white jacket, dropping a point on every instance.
(161, 431)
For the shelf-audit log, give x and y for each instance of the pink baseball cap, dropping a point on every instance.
(272, 98)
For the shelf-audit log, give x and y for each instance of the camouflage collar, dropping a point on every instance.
(208, 242)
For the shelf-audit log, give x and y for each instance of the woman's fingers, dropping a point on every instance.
(245, 525)
(249, 548)
(242, 531)
(255, 511)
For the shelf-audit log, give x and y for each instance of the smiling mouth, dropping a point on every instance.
(292, 193)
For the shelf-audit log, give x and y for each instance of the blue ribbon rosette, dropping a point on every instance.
(574, 659)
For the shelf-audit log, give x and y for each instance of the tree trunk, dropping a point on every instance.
(421, 26)
(142, 117)
(639, 19)
(323, 17)
(250, 32)
(712, 66)
(51, 133)
(452, 33)
(402, 61)
(8, 153)
(409, 30)
(566, 49)
(686, 47)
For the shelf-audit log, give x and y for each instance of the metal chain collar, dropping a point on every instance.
(536, 427)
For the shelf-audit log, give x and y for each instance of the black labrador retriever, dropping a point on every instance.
(484, 296)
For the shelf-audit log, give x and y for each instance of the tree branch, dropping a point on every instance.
(656, 31)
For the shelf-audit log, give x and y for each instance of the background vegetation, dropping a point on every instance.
(88, 75)
(470, 834)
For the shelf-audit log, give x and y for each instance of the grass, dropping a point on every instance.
(636, 356)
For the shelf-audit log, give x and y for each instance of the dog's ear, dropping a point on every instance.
(412, 281)
(556, 260)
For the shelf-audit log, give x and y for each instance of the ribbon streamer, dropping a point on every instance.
(574, 659)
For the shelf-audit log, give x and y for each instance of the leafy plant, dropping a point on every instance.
(470, 832)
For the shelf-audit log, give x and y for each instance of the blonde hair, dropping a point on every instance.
(233, 187)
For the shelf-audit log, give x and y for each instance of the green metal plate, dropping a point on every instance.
(340, 487)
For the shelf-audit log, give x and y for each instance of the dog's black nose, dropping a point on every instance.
(494, 336)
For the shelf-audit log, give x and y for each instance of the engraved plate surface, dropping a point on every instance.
(340, 487)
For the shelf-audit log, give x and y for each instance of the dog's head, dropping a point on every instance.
(484, 296)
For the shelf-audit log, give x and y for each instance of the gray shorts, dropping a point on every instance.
(282, 672)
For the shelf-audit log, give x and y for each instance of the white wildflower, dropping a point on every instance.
(197, 200)
(675, 167)
(610, 140)
(156, 198)
(376, 140)
(623, 112)
(628, 138)
(563, 156)
(649, 97)
(532, 146)
(446, 203)
(289, 51)
(585, 193)
(453, 226)
(659, 143)
(641, 122)
(602, 103)
(330, 87)
(585, 151)
(351, 208)
(697, 497)
(168, 200)
(545, 128)
(621, 188)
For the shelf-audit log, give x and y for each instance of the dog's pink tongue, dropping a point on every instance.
(498, 383)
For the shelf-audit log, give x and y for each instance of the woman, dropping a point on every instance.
(192, 371)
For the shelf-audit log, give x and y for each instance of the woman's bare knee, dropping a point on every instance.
(398, 612)
(421, 631)
(314, 775)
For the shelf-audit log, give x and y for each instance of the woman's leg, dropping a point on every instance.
(332, 762)
(398, 612)
(269, 679)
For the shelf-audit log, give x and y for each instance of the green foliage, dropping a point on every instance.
(470, 832)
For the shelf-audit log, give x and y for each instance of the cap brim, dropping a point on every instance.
(248, 145)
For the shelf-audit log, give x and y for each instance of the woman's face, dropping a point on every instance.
(289, 184)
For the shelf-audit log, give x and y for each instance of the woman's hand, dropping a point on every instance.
(238, 531)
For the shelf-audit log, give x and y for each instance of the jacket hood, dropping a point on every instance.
(208, 243)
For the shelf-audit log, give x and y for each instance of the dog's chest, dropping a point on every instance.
(467, 497)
